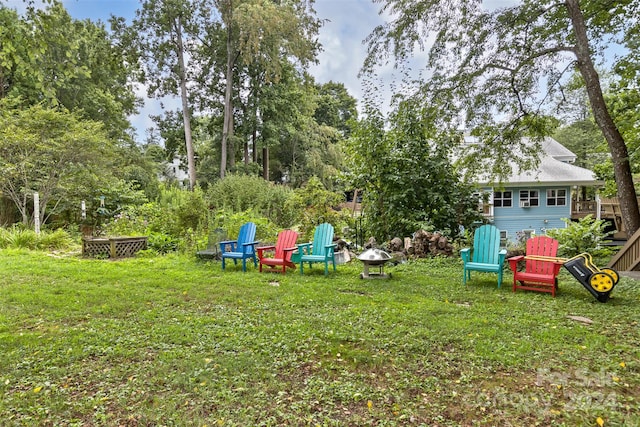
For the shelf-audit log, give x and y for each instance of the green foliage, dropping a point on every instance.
(240, 193)
(585, 235)
(336, 108)
(316, 205)
(162, 243)
(50, 151)
(171, 220)
(23, 238)
(230, 222)
(47, 56)
(407, 179)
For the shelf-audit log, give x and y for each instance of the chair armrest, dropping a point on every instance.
(228, 242)
(248, 245)
(330, 249)
(290, 249)
(465, 254)
(514, 260)
(501, 256)
(305, 247)
(557, 265)
(262, 249)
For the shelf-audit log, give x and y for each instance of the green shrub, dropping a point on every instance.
(585, 235)
(54, 240)
(162, 243)
(316, 205)
(171, 222)
(18, 237)
(243, 193)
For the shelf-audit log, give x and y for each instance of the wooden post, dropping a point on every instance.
(36, 212)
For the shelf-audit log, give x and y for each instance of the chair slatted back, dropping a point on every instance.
(322, 237)
(246, 234)
(541, 246)
(286, 239)
(486, 244)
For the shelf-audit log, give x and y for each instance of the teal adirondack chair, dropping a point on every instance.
(242, 248)
(486, 255)
(320, 250)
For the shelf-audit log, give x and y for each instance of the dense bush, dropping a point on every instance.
(18, 237)
(242, 193)
(316, 205)
(403, 166)
(172, 222)
(585, 235)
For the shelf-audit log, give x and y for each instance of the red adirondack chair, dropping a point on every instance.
(540, 266)
(284, 247)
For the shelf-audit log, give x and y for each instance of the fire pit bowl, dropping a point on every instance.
(374, 257)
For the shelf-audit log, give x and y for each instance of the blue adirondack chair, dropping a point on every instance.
(486, 255)
(320, 250)
(242, 248)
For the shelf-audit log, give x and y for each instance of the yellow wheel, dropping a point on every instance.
(601, 281)
(611, 272)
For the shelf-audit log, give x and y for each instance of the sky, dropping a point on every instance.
(349, 22)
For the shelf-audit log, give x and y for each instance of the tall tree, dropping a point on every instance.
(164, 31)
(262, 32)
(46, 56)
(501, 67)
(336, 107)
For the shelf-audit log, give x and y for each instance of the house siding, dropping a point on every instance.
(539, 218)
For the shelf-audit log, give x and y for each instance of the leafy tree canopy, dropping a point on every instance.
(496, 71)
(48, 151)
(406, 176)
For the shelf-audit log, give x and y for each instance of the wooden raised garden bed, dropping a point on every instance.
(112, 247)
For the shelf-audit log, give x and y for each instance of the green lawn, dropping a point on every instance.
(175, 342)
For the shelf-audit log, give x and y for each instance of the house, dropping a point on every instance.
(173, 171)
(531, 202)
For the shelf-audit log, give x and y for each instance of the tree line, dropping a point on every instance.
(239, 68)
(249, 105)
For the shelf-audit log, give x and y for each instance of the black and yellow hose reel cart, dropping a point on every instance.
(598, 281)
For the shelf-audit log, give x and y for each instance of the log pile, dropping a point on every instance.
(423, 244)
(426, 243)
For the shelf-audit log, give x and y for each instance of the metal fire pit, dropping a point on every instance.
(374, 258)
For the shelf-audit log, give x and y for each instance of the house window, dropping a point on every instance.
(502, 199)
(556, 197)
(527, 234)
(529, 198)
(484, 202)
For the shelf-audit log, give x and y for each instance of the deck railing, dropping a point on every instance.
(628, 257)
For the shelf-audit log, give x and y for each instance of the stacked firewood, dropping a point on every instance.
(423, 244)
(426, 243)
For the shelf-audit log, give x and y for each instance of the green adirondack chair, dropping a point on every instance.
(242, 248)
(486, 255)
(320, 250)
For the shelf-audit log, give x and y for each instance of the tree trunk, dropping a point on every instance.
(254, 138)
(617, 147)
(186, 116)
(265, 163)
(227, 126)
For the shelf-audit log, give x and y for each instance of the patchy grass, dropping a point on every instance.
(171, 341)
